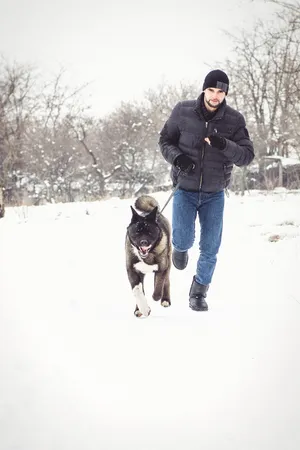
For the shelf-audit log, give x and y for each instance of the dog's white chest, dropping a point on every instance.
(141, 266)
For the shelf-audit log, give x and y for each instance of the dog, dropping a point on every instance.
(148, 249)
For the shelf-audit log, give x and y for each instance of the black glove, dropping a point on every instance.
(217, 141)
(184, 163)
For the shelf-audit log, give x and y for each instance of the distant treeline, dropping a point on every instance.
(53, 149)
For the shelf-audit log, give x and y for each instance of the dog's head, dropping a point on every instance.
(144, 231)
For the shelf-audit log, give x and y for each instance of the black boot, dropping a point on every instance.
(180, 259)
(197, 296)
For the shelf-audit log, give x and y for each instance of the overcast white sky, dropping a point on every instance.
(123, 47)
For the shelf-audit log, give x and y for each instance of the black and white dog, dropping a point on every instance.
(148, 249)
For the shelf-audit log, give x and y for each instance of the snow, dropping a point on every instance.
(80, 371)
(285, 161)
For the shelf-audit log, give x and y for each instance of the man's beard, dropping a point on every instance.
(213, 105)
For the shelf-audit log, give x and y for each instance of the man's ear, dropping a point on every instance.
(152, 215)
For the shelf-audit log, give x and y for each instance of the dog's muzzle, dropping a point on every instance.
(143, 251)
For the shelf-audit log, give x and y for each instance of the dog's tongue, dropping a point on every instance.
(145, 249)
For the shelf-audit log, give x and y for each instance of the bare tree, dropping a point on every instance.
(17, 104)
(127, 138)
(265, 82)
(83, 129)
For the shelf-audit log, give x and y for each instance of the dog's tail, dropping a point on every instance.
(145, 203)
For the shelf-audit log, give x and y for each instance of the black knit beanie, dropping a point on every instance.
(216, 79)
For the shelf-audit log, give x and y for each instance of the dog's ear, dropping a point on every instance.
(135, 217)
(152, 215)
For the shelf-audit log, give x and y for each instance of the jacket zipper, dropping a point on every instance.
(202, 157)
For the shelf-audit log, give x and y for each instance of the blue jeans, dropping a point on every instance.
(210, 209)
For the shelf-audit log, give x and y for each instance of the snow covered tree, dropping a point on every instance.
(265, 82)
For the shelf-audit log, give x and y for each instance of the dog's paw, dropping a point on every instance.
(165, 303)
(145, 313)
(138, 313)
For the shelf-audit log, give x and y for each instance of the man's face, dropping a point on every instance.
(213, 98)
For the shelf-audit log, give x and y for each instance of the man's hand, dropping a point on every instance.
(184, 163)
(217, 141)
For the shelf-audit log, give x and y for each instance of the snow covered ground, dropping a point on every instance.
(79, 372)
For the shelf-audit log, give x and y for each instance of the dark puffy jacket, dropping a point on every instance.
(184, 132)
